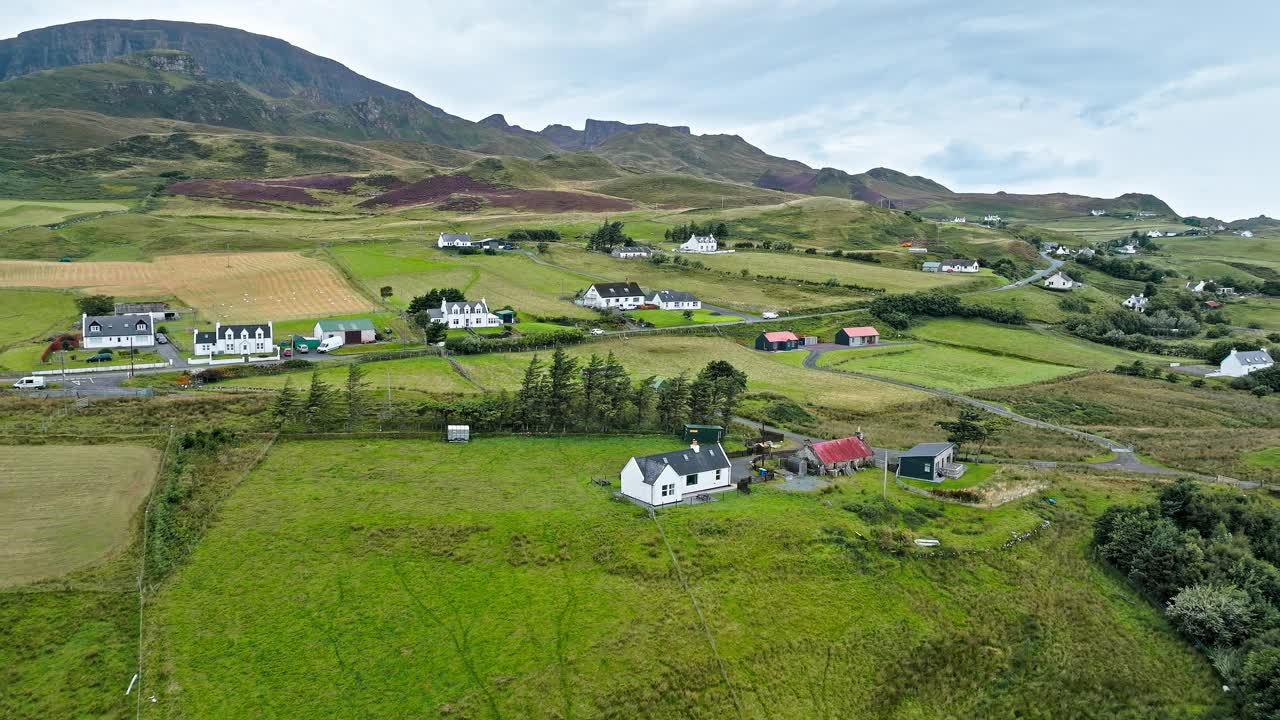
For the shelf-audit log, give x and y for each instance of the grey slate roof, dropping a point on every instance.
(1254, 357)
(933, 449)
(620, 250)
(344, 325)
(252, 329)
(957, 263)
(618, 289)
(116, 325)
(206, 337)
(668, 296)
(684, 461)
(457, 306)
(455, 237)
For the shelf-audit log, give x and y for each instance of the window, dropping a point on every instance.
(668, 490)
(691, 479)
(718, 475)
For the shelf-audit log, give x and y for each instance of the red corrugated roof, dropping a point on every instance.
(863, 331)
(781, 336)
(842, 450)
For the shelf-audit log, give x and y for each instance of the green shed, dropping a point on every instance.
(926, 461)
(704, 434)
(506, 316)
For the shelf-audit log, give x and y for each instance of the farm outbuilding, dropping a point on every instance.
(704, 434)
(458, 433)
(854, 336)
(834, 457)
(776, 341)
(507, 316)
(352, 332)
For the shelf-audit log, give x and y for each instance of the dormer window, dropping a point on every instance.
(142, 327)
(95, 327)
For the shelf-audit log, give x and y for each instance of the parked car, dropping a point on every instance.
(597, 331)
(31, 382)
(160, 338)
(304, 349)
(769, 315)
(288, 352)
(100, 357)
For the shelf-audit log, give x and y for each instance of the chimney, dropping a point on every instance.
(859, 434)
(693, 445)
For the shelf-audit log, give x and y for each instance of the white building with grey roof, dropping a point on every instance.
(465, 314)
(613, 295)
(666, 478)
(100, 332)
(249, 339)
(1242, 362)
(674, 300)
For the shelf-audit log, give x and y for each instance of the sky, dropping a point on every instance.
(1178, 99)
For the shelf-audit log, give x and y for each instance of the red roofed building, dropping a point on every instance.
(835, 457)
(865, 335)
(779, 340)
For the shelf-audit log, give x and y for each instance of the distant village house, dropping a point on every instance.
(248, 339)
(117, 331)
(674, 300)
(666, 478)
(857, 336)
(615, 295)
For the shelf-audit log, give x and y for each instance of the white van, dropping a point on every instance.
(31, 382)
(770, 315)
(329, 343)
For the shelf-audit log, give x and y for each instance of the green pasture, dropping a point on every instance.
(495, 580)
(949, 368)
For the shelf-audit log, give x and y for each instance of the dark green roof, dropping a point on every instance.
(345, 325)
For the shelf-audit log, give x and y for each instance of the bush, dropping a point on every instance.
(1212, 614)
(872, 511)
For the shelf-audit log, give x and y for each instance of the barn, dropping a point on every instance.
(854, 336)
(352, 332)
(776, 341)
(834, 457)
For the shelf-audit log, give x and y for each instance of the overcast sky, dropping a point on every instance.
(1177, 98)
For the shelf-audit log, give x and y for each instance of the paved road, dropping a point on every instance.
(1054, 264)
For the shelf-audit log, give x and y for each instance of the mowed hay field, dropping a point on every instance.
(949, 368)
(27, 314)
(493, 580)
(820, 269)
(20, 213)
(227, 287)
(63, 507)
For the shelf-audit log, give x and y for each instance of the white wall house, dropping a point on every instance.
(699, 244)
(959, 219)
(254, 339)
(674, 300)
(1239, 364)
(991, 218)
(1062, 251)
(1136, 303)
(960, 266)
(1097, 213)
(1127, 250)
(100, 332)
(616, 295)
(465, 314)
(1154, 234)
(630, 252)
(666, 478)
(1197, 285)
(1059, 281)
(454, 240)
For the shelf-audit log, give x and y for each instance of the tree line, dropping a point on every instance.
(1211, 561)
(566, 393)
(680, 233)
(899, 310)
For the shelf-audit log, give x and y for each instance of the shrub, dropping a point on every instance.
(1212, 614)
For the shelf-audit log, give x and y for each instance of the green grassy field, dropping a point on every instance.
(1041, 305)
(23, 358)
(408, 378)
(396, 584)
(63, 507)
(28, 316)
(1041, 345)
(949, 368)
(1269, 458)
(19, 213)
(674, 318)
(821, 269)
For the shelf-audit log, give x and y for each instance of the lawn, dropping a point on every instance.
(675, 318)
(18, 213)
(28, 314)
(24, 358)
(974, 476)
(947, 368)
(407, 378)
(1268, 458)
(63, 507)
(419, 578)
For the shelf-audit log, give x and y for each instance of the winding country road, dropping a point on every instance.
(1054, 264)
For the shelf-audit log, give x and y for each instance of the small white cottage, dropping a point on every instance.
(665, 478)
(699, 244)
(1059, 281)
(1239, 364)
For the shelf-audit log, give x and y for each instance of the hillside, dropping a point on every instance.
(208, 73)
(670, 150)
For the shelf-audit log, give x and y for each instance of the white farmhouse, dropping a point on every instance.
(1136, 303)
(117, 331)
(1127, 250)
(1197, 285)
(699, 244)
(674, 300)
(1239, 364)
(1062, 251)
(465, 314)
(960, 266)
(959, 219)
(615, 295)
(1154, 234)
(1246, 233)
(1097, 213)
(1059, 281)
(234, 339)
(990, 218)
(454, 240)
(630, 252)
(665, 478)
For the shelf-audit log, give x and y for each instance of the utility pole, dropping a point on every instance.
(884, 486)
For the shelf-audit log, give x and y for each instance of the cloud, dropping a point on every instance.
(971, 163)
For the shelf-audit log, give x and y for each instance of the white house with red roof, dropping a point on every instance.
(856, 336)
(834, 457)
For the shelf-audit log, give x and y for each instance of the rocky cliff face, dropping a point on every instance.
(597, 131)
(173, 61)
